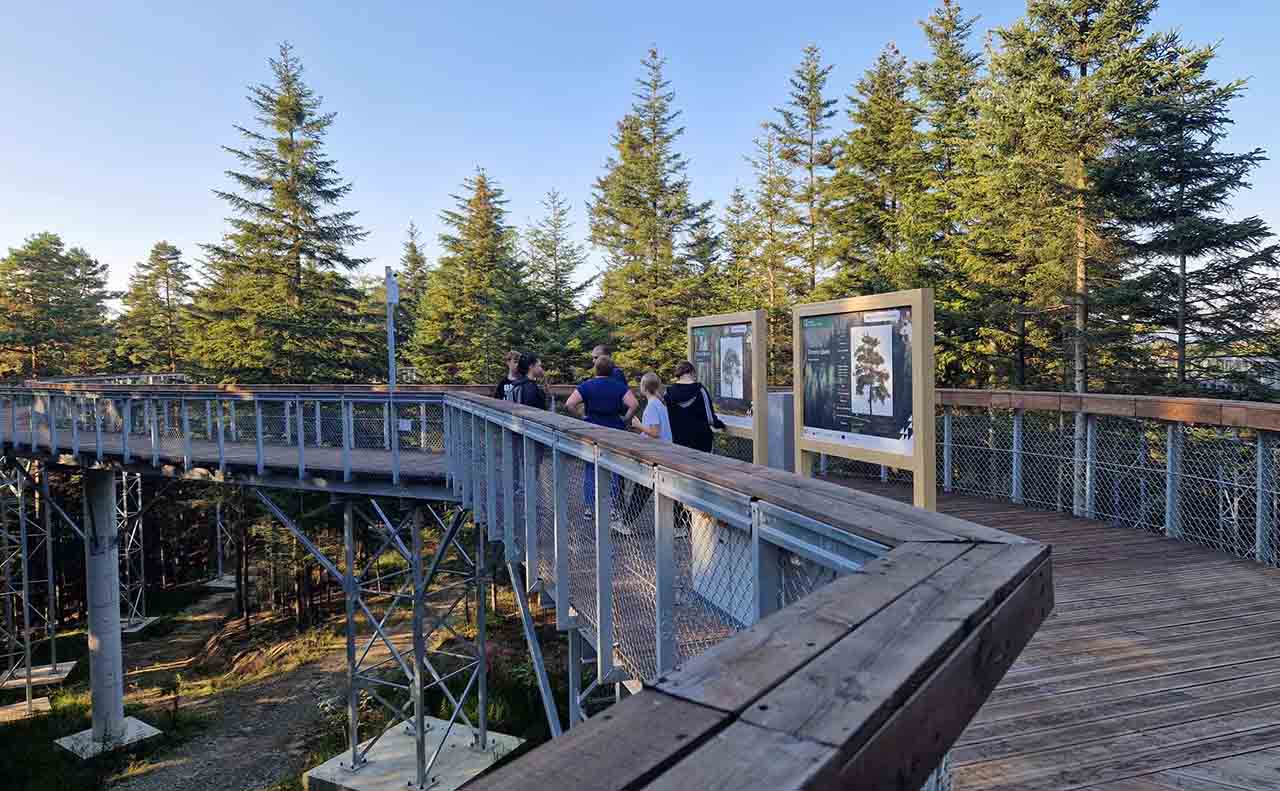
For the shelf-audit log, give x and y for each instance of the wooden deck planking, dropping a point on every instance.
(1159, 668)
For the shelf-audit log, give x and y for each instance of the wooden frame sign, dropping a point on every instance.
(730, 352)
(864, 385)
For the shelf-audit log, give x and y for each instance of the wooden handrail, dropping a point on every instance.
(866, 683)
(1201, 411)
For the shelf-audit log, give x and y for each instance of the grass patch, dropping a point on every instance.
(30, 761)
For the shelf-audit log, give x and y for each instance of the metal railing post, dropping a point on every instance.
(393, 428)
(508, 495)
(51, 417)
(97, 428)
(258, 451)
(208, 419)
(153, 431)
(386, 426)
(302, 439)
(664, 520)
(532, 486)
(186, 436)
(1078, 465)
(422, 425)
(1265, 494)
(1091, 467)
(491, 480)
(766, 570)
(125, 431)
(347, 427)
(222, 439)
(947, 450)
(1015, 484)
(235, 424)
(319, 425)
(75, 425)
(1173, 481)
(563, 519)
(604, 572)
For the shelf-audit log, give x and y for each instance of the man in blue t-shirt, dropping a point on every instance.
(607, 351)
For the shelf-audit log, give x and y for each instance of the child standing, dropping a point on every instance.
(656, 422)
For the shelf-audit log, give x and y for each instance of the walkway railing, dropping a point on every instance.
(307, 432)
(1194, 469)
(871, 631)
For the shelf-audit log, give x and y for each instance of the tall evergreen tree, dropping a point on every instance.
(645, 221)
(1168, 186)
(53, 310)
(475, 307)
(945, 85)
(150, 333)
(1074, 62)
(778, 277)
(801, 133)
(880, 170)
(554, 261)
(414, 277)
(278, 304)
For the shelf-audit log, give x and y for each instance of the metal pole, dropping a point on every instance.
(51, 606)
(350, 586)
(482, 685)
(1173, 480)
(1091, 467)
(946, 449)
(102, 581)
(575, 677)
(1078, 466)
(419, 649)
(24, 551)
(1264, 512)
(1016, 482)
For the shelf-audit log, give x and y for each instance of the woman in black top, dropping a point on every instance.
(691, 411)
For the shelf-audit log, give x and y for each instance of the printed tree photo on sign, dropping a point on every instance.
(731, 368)
(872, 373)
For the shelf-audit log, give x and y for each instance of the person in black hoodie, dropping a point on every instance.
(524, 390)
(513, 360)
(692, 414)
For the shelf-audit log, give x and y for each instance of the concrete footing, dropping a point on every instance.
(134, 627)
(391, 764)
(85, 746)
(227, 582)
(18, 711)
(41, 674)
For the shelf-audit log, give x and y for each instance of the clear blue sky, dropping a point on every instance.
(114, 112)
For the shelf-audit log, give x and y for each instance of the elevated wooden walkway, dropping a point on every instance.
(1159, 668)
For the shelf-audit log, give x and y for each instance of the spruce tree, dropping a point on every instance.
(880, 170)
(278, 304)
(53, 310)
(554, 260)
(476, 305)
(150, 333)
(644, 220)
(945, 85)
(414, 277)
(1168, 185)
(1074, 62)
(801, 133)
(778, 277)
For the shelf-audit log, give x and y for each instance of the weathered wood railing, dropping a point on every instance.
(836, 669)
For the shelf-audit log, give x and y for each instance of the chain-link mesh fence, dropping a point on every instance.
(634, 576)
(734, 446)
(714, 581)
(578, 480)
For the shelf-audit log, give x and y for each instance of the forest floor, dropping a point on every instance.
(251, 709)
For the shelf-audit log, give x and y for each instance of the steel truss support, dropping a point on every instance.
(133, 557)
(388, 578)
(28, 602)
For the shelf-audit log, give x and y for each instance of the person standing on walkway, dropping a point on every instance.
(606, 351)
(692, 414)
(602, 400)
(525, 389)
(656, 422)
(513, 361)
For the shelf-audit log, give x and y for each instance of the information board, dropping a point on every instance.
(863, 375)
(728, 351)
